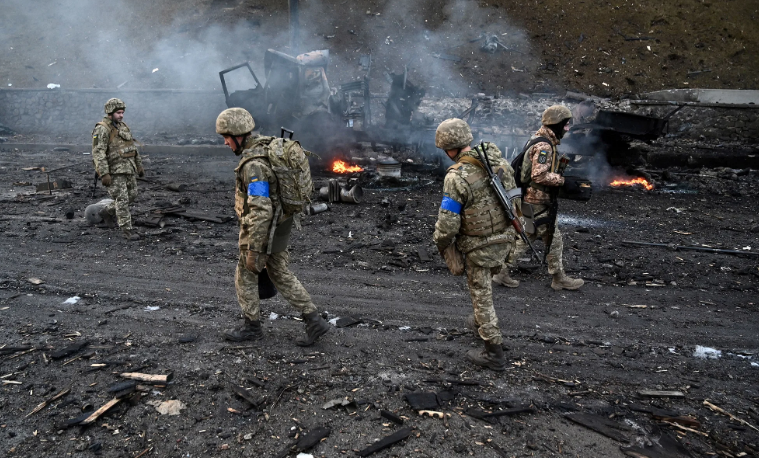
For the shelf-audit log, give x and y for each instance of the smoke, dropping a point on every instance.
(593, 162)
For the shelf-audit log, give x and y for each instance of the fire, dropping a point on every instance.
(342, 167)
(641, 181)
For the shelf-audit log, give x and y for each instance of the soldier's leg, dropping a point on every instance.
(288, 284)
(132, 188)
(120, 194)
(246, 285)
(556, 264)
(554, 258)
(481, 293)
(294, 292)
(503, 278)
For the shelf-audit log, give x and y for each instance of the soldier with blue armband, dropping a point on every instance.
(473, 232)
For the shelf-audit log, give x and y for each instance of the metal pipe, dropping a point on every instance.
(672, 246)
(294, 27)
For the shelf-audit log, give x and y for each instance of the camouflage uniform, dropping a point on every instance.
(472, 217)
(257, 206)
(114, 152)
(544, 162)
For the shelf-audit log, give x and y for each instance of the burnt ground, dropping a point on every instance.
(586, 352)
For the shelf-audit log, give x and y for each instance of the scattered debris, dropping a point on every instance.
(386, 442)
(72, 300)
(92, 418)
(422, 401)
(706, 352)
(35, 281)
(391, 416)
(171, 407)
(434, 414)
(149, 378)
(661, 394)
(732, 417)
(46, 402)
(53, 86)
(600, 425)
(70, 350)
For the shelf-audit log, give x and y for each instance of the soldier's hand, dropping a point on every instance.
(140, 171)
(255, 261)
(106, 180)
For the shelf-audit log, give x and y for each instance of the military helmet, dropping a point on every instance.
(453, 133)
(114, 104)
(234, 122)
(555, 114)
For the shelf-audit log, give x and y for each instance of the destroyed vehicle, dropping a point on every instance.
(294, 95)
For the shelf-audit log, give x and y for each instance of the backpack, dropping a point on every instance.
(289, 161)
(518, 163)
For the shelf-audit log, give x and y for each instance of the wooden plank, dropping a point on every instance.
(386, 442)
(600, 425)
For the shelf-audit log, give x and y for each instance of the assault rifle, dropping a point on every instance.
(505, 198)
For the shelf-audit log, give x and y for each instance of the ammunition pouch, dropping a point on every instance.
(532, 220)
(454, 259)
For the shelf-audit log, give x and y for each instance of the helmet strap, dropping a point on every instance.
(238, 147)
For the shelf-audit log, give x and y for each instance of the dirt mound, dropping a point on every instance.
(541, 45)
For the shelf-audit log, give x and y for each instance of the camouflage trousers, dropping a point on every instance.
(123, 191)
(246, 285)
(481, 265)
(554, 259)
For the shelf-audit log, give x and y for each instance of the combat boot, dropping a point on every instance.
(504, 279)
(491, 357)
(130, 235)
(562, 281)
(316, 326)
(250, 330)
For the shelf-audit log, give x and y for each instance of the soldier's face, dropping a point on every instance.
(117, 115)
(230, 142)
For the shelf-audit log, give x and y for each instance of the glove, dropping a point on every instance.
(570, 185)
(255, 261)
(140, 171)
(106, 180)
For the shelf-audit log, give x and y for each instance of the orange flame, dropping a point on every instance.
(641, 181)
(342, 167)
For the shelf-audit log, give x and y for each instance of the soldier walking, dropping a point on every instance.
(471, 221)
(539, 173)
(265, 227)
(117, 159)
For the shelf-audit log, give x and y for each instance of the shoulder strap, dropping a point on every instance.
(473, 161)
(535, 141)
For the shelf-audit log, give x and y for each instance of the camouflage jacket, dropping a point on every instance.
(256, 195)
(544, 162)
(465, 188)
(113, 149)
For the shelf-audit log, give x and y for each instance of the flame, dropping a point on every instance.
(342, 167)
(641, 181)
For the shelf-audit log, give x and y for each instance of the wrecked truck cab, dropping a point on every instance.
(296, 96)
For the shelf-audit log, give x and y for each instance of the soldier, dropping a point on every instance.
(543, 183)
(117, 159)
(264, 231)
(472, 221)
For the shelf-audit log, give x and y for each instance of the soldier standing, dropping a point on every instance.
(117, 160)
(472, 221)
(264, 231)
(539, 173)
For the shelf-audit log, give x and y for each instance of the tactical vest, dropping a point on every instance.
(484, 216)
(527, 167)
(121, 144)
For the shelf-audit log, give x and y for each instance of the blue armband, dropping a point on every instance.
(259, 188)
(451, 205)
